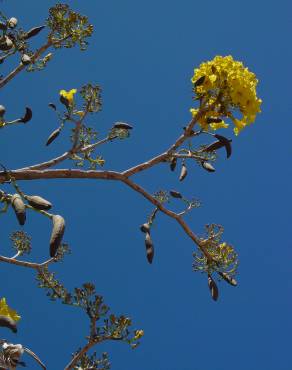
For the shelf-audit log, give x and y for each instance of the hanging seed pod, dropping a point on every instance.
(7, 322)
(208, 167)
(200, 81)
(145, 228)
(175, 194)
(149, 248)
(213, 146)
(226, 143)
(173, 163)
(57, 234)
(213, 288)
(53, 136)
(229, 279)
(27, 115)
(183, 172)
(12, 22)
(25, 59)
(38, 202)
(52, 105)
(33, 32)
(2, 110)
(19, 208)
(123, 125)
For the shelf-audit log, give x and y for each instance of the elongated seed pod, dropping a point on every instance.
(123, 125)
(214, 146)
(145, 228)
(208, 167)
(229, 279)
(149, 248)
(7, 322)
(53, 136)
(213, 288)
(19, 208)
(173, 163)
(27, 115)
(226, 142)
(33, 32)
(175, 194)
(57, 234)
(183, 172)
(38, 202)
(213, 120)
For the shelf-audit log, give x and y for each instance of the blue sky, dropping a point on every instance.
(143, 54)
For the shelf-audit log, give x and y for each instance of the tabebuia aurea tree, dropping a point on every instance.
(224, 95)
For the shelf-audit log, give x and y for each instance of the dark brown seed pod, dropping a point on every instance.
(33, 32)
(200, 81)
(149, 248)
(53, 136)
(19, 208)
(175, 194)
(214, 146)
(230, 280)
(57, 234)
(173, 163)
(25, 59)
(213, 288)
(7, 322)
(226, 143)
(38, 202)
(183, 172)
(123, 125)
(2, 110)
(145, 228)
(27, 115)
(208, 167)
(213, 120)
(52, 105)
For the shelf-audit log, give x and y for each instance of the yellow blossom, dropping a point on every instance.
(227, 85)
(69, 95)
(138, 334)
(5, 310)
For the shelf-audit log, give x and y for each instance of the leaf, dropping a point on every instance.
(27, 116)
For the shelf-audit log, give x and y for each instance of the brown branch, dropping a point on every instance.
(32, 265)
(21, 66)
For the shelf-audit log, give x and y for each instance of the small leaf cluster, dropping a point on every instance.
(87, 362)
(21, 242)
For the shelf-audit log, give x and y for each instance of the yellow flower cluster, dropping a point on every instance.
(5, 310)
(68, 95)
(226, 85)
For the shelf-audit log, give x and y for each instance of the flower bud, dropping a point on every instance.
(12, 22)
(183, 172)
(25, 59)
(6, 44)
(213, 288)
(19, 208)
(208, 167)
(57, 234)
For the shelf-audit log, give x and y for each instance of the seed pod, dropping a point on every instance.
(200, 81)
(229, 279)
(173, 163)
(53, 136)
(25, 59)
(183, 172)
(123, 125)
(213, 288)
(213, 120)
(38, 202)
(208, 167)
(19, 208)
(7, 322)
(12, 22)
(2, 110)
(149, 248)
(52, 105)
(226, 143)
(57, 234)
(175, 194)
(27, 115)
(213, 146)
(145, 228)
(33, 32)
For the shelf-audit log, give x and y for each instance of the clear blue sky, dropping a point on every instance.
(142, 54)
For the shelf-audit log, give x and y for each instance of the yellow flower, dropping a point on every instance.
(69, 95)
(216, 125)
(228, 86)
(5, 310)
